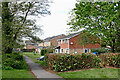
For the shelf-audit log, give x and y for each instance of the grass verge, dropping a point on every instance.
(23, 73)
(92, 73)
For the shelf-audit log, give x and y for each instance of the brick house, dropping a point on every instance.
(49, 42)
(69, 44)
(30, 45)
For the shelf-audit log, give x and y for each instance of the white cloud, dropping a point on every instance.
(56, 23)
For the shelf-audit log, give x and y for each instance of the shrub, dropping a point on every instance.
(99, 50)
(66, 62)
(112, 60)
(43, 51)
(13, 61)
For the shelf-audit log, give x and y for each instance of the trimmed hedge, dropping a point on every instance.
(112, 60)
(13, 61)
(65, 62)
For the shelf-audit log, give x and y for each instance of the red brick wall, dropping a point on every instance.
(63, 45)
(76, 44)
(30, 47)
(55, 42)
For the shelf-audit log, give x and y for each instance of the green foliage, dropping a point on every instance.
(43, 52)
(113, 60)
(74, 62)
(13, 61)
(100, 19)
(99, 50)
(16, 24)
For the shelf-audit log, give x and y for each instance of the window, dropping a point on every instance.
(46, 43)
(37, 44)
(56, 50)
(61, 41)
(61, 51)
(28, 45)
(64, 41)
(86, 50)
(67, 40)
(66, 50)
(32, 44)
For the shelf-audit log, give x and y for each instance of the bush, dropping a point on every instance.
(112, 60)
(66, 62)
(43, 52)
(99, 50)
(13, 61)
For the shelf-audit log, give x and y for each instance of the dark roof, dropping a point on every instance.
(53, 37)
(70, 36)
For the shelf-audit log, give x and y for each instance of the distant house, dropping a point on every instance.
(70, 44)
(49, 42)
(30, 44)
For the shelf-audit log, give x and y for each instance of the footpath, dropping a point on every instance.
(39, 72)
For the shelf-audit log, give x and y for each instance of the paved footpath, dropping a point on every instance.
(39, 72)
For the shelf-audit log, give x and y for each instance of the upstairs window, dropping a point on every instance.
(61, 41)
(64, 41)
(67, 40)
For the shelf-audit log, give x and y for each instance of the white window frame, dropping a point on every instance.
(66, 50)
(86, 49)
(67, 41)
(61, 50)
(61, 41)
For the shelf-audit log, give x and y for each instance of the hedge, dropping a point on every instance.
(67, 62)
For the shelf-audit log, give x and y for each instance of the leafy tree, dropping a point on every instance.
(18, 22)
(98, 18)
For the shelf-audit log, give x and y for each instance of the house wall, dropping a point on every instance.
(46, 44)
(55, 42)
(76, 50)
(41, 44)
(63, 45)
(30, 46)
(76, 43)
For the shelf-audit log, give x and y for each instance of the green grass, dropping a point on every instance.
(17, 74)
(93, 73)
(32, 56)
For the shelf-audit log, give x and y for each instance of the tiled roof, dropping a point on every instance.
(70, 36)
(53, 37)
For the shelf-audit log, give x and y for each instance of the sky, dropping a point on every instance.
(56, 23)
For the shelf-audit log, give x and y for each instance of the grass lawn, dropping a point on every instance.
(93, 73)
(17, 73)
(32, 56)
(24, 73)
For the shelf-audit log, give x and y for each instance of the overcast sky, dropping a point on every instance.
(56, 23)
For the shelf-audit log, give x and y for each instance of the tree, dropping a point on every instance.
(98, 18)
(17, 22)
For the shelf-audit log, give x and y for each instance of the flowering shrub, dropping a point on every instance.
(65, 62)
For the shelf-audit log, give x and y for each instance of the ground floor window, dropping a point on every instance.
(61, 50)
(66, 50)
(86, 50)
